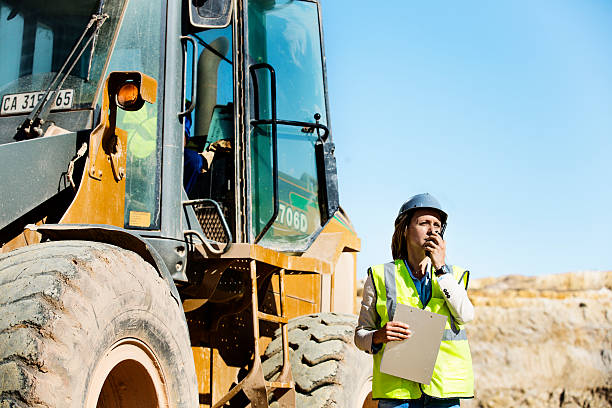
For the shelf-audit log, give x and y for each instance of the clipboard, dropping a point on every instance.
(414, 358)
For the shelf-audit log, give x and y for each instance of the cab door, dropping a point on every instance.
(292, 175)
(208, 116)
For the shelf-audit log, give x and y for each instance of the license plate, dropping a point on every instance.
(25, 102)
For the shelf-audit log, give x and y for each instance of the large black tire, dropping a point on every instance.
(328, 370)
(85, 324)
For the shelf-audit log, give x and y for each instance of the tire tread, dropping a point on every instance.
(50, 296)
(323, 359)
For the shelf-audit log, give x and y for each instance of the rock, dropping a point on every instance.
(542, 341)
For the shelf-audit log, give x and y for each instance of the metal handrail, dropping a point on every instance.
(273, 122)
(294, 123)
(194, 75)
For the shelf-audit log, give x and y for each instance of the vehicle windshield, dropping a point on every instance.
(37, 36)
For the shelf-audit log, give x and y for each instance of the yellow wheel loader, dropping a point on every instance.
(170, 229)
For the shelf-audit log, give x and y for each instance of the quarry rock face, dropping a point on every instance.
(542, 341)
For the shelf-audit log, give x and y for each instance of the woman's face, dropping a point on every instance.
(424, 223)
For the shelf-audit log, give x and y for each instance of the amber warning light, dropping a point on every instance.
(127, 96)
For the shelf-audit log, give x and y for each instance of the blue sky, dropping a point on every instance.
(501, 109)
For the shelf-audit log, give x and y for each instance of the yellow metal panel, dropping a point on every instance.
(101, 195)
(201, 357)
(303, 293)
(307, 308)
(27, 237)
(270, 257)
(302, 286)
(223, 377)
(100, 198)
(344, 284)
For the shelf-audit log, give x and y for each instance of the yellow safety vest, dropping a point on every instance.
(452, 375)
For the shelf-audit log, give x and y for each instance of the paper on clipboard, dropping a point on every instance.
(414, 358)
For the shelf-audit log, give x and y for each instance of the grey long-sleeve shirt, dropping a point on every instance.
(457, 300)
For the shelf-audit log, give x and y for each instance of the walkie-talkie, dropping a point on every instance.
(441, 234)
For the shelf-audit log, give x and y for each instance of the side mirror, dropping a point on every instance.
(210, 13)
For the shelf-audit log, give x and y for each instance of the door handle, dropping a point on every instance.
(194, 76)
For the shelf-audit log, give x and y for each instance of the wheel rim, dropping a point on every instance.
(128, 375)
(365, 396)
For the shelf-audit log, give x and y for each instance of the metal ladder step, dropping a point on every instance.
(272, 318)
(284, 380)
(254, 385)
(277, 384)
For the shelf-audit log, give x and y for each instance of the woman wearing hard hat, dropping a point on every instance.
(418, 277)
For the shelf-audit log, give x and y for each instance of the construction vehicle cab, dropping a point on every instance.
(282, 107)
(188, 142)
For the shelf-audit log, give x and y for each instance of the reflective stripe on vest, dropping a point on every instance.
(391, 289)
(450, 335)
(452, 376)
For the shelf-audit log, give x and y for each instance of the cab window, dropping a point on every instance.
(208, 171)
(138, 48)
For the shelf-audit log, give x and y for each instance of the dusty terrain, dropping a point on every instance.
(542, 341)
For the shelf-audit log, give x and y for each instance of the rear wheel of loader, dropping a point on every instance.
(328, 370)
(85, 324)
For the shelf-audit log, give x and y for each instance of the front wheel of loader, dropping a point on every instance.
(327, 367)
(85, 324)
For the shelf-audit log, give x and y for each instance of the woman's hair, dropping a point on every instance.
(399, 243)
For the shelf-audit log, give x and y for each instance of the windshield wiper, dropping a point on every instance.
(32, 126)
